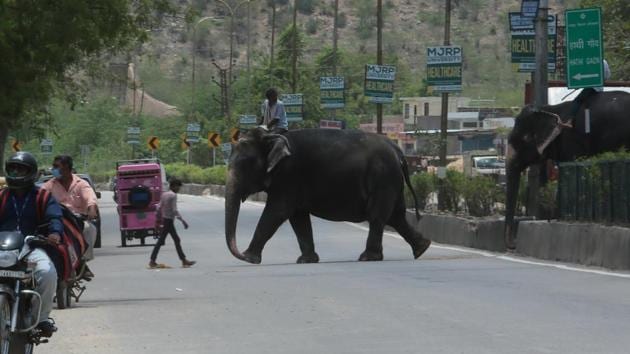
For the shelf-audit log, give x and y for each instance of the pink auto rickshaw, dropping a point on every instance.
(139, 185)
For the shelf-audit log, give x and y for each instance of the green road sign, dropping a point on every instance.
(379, 83)
(293, 106)
(46, 146)
(331, 91)
(247, 119)
(133, 135)
(444, 68)
(585, 67)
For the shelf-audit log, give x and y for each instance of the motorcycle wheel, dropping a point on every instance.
(63, 297)
(16, 343)
(5, 320)
(20, 344)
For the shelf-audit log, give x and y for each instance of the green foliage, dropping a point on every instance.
(41, 40)
(311, 25)
(307, 7)
(423, 184)
(548, 199)
(454, 186)
(480, 195)
(366, 12)
(196, 174)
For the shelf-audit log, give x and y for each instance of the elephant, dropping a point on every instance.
(337, 175)
(552, 133)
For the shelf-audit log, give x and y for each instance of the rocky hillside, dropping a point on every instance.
(480, 26)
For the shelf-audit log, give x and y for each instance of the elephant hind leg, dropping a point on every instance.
(301, 224)
(419, 244)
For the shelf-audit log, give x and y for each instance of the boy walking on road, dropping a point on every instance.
(167, 212)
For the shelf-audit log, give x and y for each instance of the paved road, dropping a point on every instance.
(449, 301)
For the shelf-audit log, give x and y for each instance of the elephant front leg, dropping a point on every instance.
(374, 246)
(301, 223)
(268, 224)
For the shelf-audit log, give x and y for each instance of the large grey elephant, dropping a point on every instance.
(332, 174)
(552, 133)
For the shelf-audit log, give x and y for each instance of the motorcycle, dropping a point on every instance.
(20, 304)
(70, 267)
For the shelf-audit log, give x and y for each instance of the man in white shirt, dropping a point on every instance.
(273, 113)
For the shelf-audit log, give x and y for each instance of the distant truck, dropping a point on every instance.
(484, 163)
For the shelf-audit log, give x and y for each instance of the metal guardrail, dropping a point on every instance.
(595, 191)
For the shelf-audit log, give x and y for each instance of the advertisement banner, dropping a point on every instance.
(379, 83)
(444, 68)
(293, 106)
(523, 44)
(331, 92)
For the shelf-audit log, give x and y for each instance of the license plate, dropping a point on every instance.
(12, 274)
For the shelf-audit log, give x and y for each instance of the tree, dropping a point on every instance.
(41, 41)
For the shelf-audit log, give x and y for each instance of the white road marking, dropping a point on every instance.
(488, 254)
(510, 258)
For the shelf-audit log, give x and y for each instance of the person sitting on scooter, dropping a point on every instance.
(18, 211)
(77, 195)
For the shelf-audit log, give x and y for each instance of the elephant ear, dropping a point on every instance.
(280, 149)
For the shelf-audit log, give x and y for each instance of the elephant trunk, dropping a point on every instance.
(514, 169)
(232, 208)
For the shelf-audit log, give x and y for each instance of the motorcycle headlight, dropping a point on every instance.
(8, 258)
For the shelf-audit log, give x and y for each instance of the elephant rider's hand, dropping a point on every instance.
(54, 239)
(273, 123)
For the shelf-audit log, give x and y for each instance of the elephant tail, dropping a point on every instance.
(405, 169)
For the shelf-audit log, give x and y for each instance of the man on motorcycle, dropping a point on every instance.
(19, 212)
(77, 195)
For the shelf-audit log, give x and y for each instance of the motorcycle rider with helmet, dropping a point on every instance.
(18, 212)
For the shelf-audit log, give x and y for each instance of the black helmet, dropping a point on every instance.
(22, 180)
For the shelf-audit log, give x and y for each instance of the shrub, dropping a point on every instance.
(311, 26)
(454, 185)
(480, 195)
(547, 199)
(423, 185)
(196, 174)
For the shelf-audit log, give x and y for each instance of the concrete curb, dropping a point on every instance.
(474, 233)
(588, 244)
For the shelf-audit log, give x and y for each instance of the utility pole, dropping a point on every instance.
(273, 35)
(294, 49)
(249, 48)
(335, 39)
(540, 99)
(444, 113)
(379, 60)
(224, 85)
